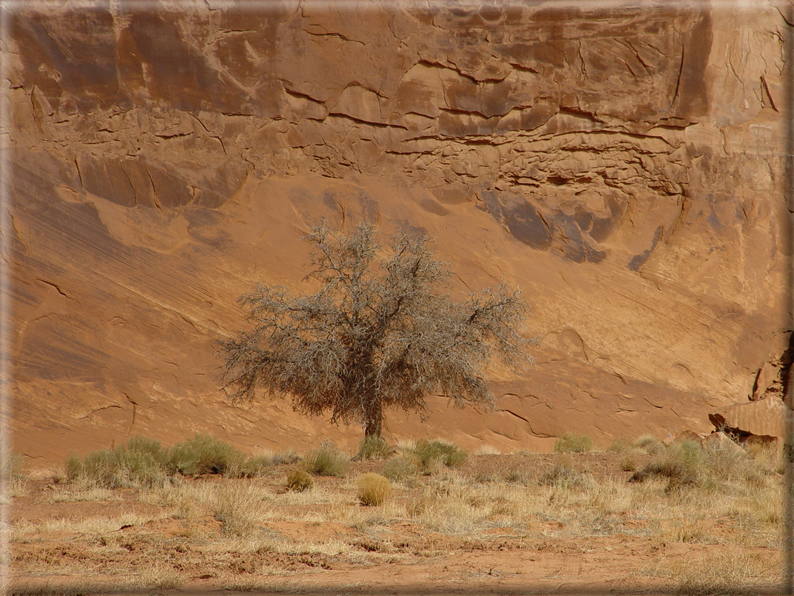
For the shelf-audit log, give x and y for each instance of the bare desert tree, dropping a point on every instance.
(378, 334)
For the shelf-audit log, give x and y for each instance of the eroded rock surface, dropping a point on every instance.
(621, 164)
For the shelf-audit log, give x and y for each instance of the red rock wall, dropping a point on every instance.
(621, 164)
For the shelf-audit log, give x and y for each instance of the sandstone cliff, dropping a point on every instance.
(621, 163)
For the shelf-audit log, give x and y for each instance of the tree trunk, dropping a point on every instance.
(373, 425)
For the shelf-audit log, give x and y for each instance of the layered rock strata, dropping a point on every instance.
(621, 163)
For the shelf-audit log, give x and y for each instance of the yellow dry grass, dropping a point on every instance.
(234, 522)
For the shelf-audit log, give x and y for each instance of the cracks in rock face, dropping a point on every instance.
(56, 286)
(678, 78)
(134, 410)
(366, 122)
(333, 34)
(100, 409)
(529, 424)
(209, 134)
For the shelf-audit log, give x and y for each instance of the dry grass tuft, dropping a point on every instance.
(724, 501)
(729, 571)
(238, 506)
(487, 449)
(373, 489)
(563, 477)
(299, 480)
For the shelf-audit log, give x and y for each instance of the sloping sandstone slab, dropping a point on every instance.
(621, 164)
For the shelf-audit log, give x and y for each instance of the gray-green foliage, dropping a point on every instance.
(440, 452)
(402, 468)
(379, 333)
(326, 461)
(204, 454)
(649, 444)
(573, 443)
(374, 447)
(145, 462)
(688, 463)
(120, 467)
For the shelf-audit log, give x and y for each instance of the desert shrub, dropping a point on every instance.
(729, 464)
(290, 456)
(683, 464)
(437, 452)
(74, 466)
(627, 464)
(120, 467)
(252, 467)
(649, 444)
(715, 468)
(145, 462)
(620, 445)
(562, 477)
(573, 443)
(204, 454)
(299, 480)
(326, 461)
(373, 447)
(151, 446)
(373, 489)
(11, 464)
(669, 468)
(402, 468)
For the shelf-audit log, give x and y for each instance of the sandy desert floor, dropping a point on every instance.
(498, 524)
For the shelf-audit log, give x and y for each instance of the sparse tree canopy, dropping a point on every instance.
(378, 334)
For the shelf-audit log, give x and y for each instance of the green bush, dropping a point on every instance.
(715, 468)
(684, 464)
(290, 456)
(573, 443)
(299, 480)
(124, 466)
(145, 462)
(649, 444)
(204, 454)
(620, 445)
(326, 461)
(74, 467)
(150, 446)
(402, 468)
(439, 452)
(252, 467)
(373, 489)
(374, 448)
